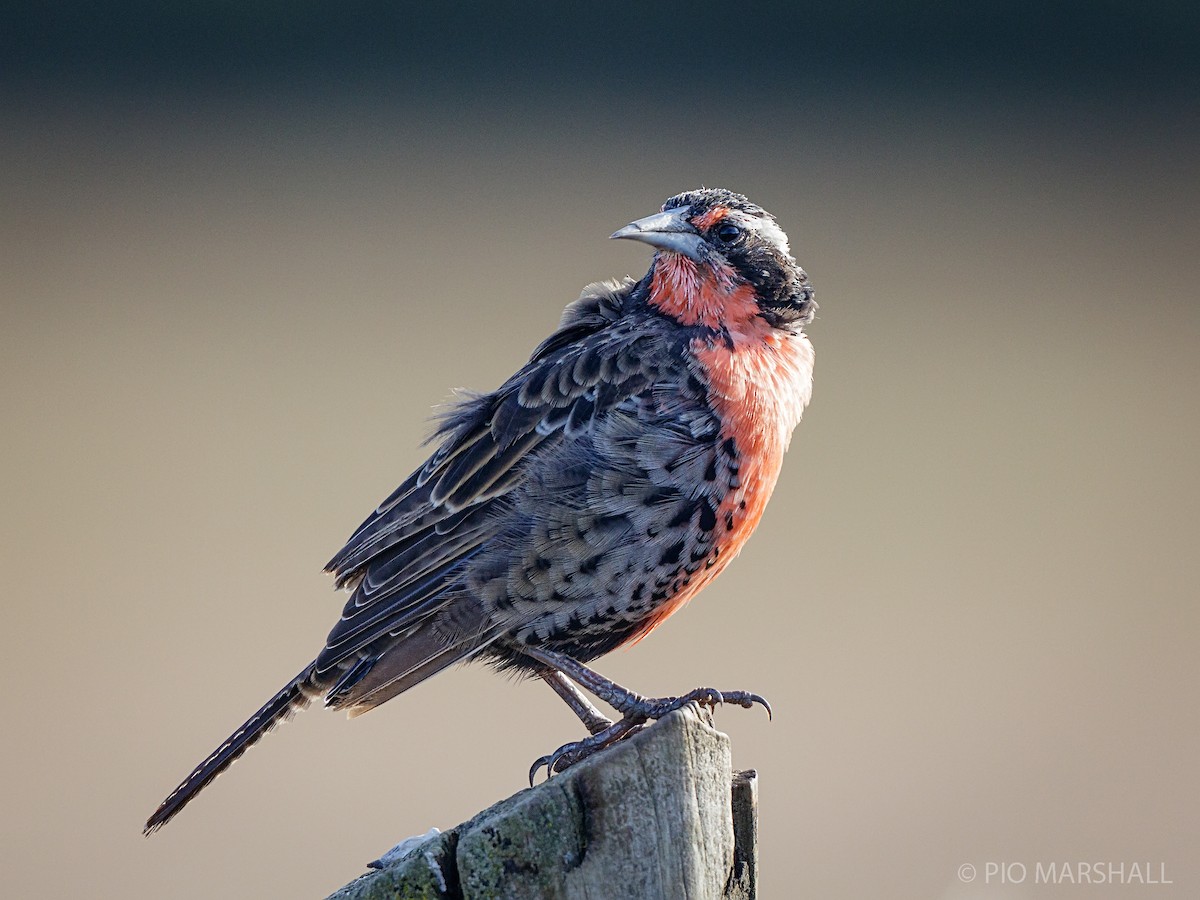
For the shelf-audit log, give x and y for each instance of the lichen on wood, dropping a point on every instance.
(660, 815)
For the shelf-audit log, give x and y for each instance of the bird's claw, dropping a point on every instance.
(565, 757)
(709, 697)
(569, 754)
(747, 700)
(537, 764)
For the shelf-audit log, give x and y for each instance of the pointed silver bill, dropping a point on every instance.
(668, 230)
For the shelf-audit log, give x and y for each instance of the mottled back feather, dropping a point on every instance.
(408, 560)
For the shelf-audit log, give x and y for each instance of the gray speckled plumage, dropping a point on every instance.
(557, 511)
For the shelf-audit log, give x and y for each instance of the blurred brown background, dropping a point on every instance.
(244, 252)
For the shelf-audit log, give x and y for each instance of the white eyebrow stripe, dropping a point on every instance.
(766, 228)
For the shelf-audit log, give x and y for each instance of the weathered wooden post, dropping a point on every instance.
(660, 815)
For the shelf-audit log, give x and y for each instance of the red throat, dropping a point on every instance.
(701, 293)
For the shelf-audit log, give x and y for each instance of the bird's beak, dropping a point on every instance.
(668, 230)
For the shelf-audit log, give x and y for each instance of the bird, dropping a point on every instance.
(573, 509)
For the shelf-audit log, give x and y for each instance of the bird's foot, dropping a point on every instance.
(569, 754)
(637, 711)
(710, 697)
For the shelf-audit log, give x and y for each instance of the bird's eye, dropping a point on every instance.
(727, 232)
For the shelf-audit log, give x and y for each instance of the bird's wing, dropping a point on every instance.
(401, 559)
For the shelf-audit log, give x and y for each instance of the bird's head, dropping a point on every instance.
(722, 261)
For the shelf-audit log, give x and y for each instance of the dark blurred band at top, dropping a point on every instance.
(749, 53)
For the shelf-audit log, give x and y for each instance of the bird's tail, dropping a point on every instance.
(294, 696)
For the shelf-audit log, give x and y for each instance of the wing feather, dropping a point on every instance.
(361, 628)
(405, 557)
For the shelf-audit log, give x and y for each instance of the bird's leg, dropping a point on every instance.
(593, 720)
(630, 703)
(635, 709)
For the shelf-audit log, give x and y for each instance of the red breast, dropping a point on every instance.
(759, 383)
